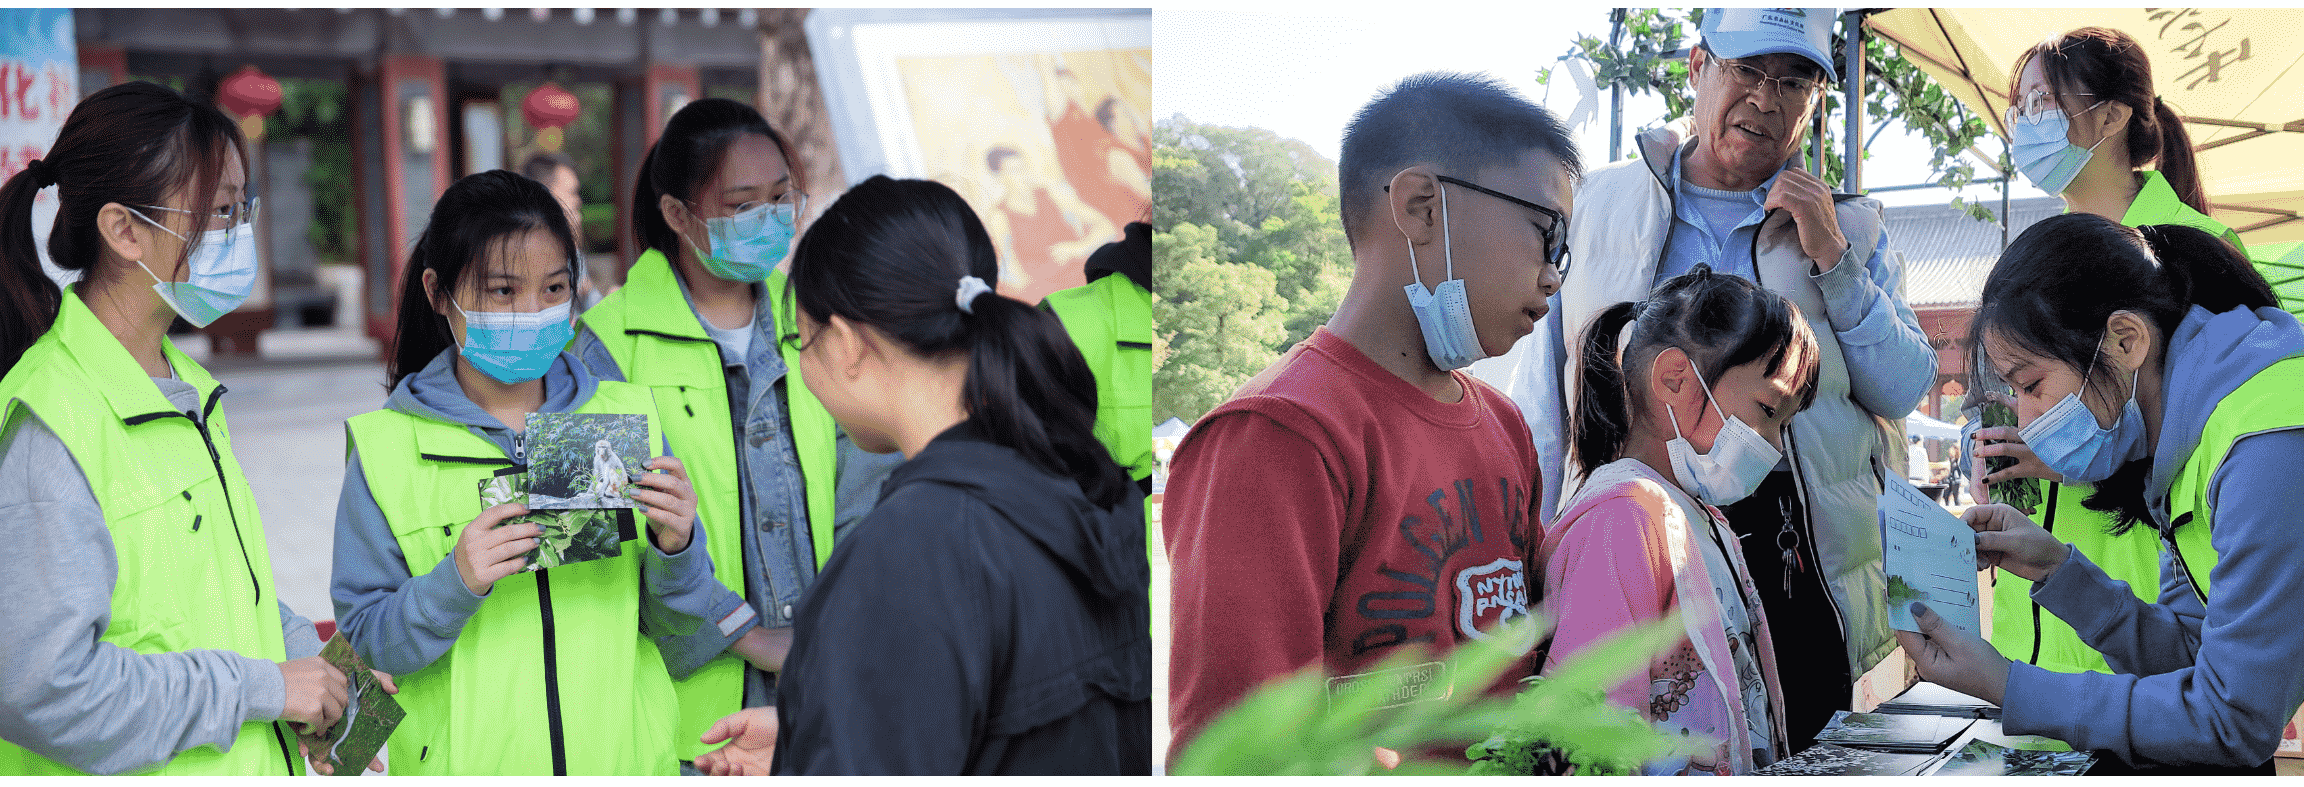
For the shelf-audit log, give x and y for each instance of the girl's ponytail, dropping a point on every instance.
(1603, 418)
(2177, 165)
(1030, 389)
(2202, 270)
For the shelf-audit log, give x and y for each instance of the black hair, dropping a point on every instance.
(479, 213)
(136, 144)
(2060, 281)
(2112, 67)
(1460, 123)
(890, 254)
(541, 166)
(694, 144)
(1720, 321)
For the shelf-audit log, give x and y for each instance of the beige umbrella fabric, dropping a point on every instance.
(2236, 76)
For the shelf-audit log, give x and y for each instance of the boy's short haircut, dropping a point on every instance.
(541, 166)
(1455, 121)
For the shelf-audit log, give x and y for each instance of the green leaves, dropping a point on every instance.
(1309, 724)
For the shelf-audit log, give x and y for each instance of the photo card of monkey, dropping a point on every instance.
(578, 461)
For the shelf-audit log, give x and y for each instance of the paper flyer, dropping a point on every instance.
(1930, 557)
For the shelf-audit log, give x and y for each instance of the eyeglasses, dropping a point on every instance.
(2038, 101)
(1799, 89)
(224, 218)
(793, 199)
(1555, 235)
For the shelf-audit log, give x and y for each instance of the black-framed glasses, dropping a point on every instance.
(1797, 88)
(1555, 234)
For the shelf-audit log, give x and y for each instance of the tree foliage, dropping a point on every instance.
(1250, 258)
(1650, 57)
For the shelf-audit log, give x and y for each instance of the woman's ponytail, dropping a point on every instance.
(28, 298)
(2177, 164)
(2202, 270)
(893, 254)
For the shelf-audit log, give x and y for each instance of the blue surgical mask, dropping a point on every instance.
(2044, 153)
(223, 269)
(1739, 461)
(2067, 439)
(1443, 312)
(515, 347)
(746, 246)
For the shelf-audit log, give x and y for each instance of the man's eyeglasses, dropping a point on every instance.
(224, 218)
(1786, 88)
(1555, 234)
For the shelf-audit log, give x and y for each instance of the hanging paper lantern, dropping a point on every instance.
(249, 95)
(548, 108)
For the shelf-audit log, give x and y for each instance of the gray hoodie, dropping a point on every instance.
(2213, 685)
(401, 623)
(66, 694)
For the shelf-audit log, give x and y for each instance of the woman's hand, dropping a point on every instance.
(671, 503)
(1955, 659)
(314, 748)
(764, 647)
(2010, 542)
(751, 736)
(2008, 441)
(486, 553)
(317, 694)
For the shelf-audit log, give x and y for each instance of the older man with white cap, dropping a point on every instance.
(1728, 192)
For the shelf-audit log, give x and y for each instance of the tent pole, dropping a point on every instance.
(1852, 100)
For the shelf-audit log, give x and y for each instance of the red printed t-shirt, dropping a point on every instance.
(1331, 513)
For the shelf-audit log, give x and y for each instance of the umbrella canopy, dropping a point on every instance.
(2234, 75)
(1918, 424)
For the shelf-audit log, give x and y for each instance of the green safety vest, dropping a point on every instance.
(2266, 403)
(193, 570)
(551, 675)
(657, 341)
(2021, 630)
(1110, 320)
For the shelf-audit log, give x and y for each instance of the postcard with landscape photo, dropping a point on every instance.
(585, 460)
(369, 717)
(570, 535)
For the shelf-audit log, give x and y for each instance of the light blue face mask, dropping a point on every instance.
(1443, 312)
(2067, 439)
(746, 246)
(223, 269)
(2043, 152)
(515, 347)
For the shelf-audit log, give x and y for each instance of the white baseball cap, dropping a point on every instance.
(1747, 32)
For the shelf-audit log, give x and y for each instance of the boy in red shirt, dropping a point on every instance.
(1362, 494)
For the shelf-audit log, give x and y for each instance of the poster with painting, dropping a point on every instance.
(1040, 118)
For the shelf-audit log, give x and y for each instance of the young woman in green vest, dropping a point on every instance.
(716, 205)
(144, 633)
(505, 671)
(990, 615)
(2158, 366)
(2084, 125)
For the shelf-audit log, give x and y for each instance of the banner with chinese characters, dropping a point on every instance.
(39, 84)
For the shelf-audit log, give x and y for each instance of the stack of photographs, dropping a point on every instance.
(1892, 732)
(1825, 759)
(1985, 758)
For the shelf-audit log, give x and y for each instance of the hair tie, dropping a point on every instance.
(43, 174)
(970, 287)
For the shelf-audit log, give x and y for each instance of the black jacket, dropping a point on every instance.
(985, 618)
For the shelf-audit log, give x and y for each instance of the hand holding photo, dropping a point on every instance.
(570, 535)
(578, 461)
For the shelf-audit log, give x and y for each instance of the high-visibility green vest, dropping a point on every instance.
(657, 341)
(2021, 630)
(551, 675)
(1110, 320)
(2266, 403)
(193, 569)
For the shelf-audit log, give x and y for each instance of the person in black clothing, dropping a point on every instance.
(991, 615)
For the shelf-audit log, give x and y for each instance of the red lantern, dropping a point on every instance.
(548, 108)
(249, 95)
